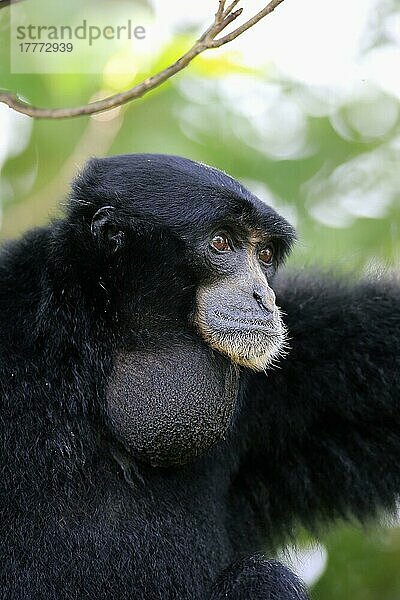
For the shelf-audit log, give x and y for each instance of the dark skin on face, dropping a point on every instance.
(236, 312)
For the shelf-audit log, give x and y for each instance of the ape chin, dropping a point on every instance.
(252, 344)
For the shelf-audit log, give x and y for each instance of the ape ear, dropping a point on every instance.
(105, 230)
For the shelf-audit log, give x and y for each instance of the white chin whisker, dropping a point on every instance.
(252, 350)
(258, 349)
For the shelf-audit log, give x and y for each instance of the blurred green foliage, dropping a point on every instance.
(336, 177)
(362, 565)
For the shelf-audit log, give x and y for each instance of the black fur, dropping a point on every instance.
(316, 439)
(258, 579)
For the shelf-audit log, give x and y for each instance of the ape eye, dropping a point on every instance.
(220, 243)
(266, 255)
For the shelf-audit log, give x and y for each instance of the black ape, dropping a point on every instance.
(147, 451)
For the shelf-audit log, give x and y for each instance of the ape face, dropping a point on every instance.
(186, 255)
(236, 312)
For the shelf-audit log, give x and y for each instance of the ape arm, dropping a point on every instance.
(322, 433)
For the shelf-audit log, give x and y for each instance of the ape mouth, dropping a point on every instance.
(265, 324)
(255, 343)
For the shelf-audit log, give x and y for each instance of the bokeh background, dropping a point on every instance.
(304, 109)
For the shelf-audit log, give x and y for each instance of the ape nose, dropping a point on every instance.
(265, 303)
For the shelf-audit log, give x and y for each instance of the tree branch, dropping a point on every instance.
(223, 17)
(4, 3)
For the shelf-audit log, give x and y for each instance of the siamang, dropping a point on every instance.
(163, 422)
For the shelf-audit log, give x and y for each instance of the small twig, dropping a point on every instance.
(231, 7)
(220, 12)
(223, 17)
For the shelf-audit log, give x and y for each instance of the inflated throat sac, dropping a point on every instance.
(169, 406)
